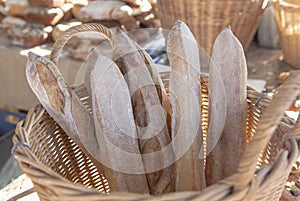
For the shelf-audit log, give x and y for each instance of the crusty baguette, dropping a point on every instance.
(46, 3)
(185, 96)
(160, 88)
(148, 114)
(67, 10)
(16, 10)
(229, 61)
(28, 35)
(64, 106)
(115, 127)
(103, 10)
(16, 7)
(47, 16)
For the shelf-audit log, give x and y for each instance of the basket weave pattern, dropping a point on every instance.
(288, 20)
(207, 18)
(61, 171)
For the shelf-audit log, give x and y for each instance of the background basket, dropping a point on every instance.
(287, 14)
(207, 18)
(59, 170)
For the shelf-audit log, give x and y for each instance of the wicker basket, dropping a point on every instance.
(287, 14)
(207, 18)
(59, 170)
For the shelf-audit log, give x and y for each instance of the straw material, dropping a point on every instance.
(61, 171)
(207, 18)
(288, 23)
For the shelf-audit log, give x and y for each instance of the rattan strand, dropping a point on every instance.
(207, 18)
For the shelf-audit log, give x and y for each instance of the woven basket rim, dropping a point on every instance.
(28, 161)
(58, 188)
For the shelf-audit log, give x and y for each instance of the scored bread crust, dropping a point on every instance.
(228, 61)
(115, 128)
(145, 99)
(185, 96)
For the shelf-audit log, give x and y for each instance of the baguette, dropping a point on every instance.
(28, 35)
(159, 85)
(151, 126)
(43, 15)
(46, 3)
(229, 60)
(67, 10)
(115, 127)
(185, 96)
(16, 9)
(63, 105)
(103, 10)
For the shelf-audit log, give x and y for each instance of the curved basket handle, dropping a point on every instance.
(68, 34)
(267, 125)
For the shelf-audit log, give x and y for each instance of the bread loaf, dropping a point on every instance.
(100, 10)
(29, 35)
(129, 23)
(62, 104)
(16, 9)
(229, 63)
(115, 128)
(80, 2)
(151, 126)
(46, 3)
(16, 2)
(10, 22)
(76, 10)
(47, 16)
(144, 6)
(185, 96)
(67, 10)
(159, 85)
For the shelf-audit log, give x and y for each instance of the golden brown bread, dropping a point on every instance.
(43, 15)
(46, 3)
(185, 96)
(115, 128)
(62, 104)
(151, 126)
(229, 64)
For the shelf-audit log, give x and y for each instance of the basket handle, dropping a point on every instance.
(267, 125)
(68, 34)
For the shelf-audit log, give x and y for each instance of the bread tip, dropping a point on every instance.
(119, 31)
(32, 56)
(227, 31)
(178, 21)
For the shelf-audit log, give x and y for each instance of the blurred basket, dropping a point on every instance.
(287, 14)
(59, 170)
(207, 18)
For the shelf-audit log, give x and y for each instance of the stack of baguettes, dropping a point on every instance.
(32, 22)
(29, 22)
(132, 111)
